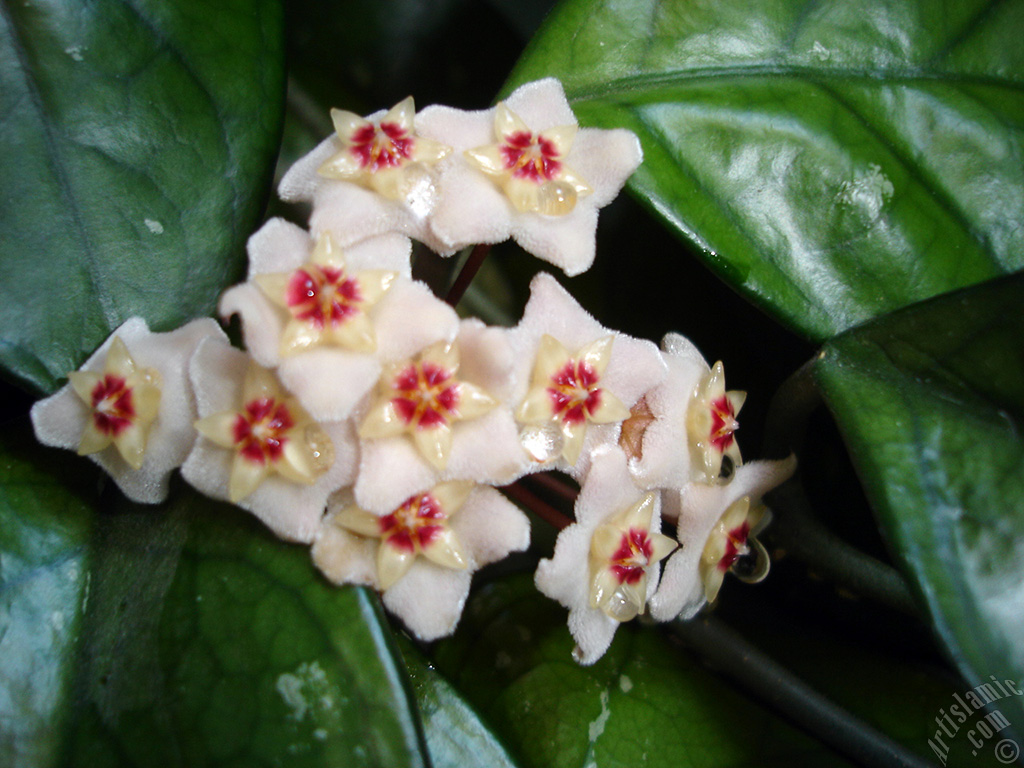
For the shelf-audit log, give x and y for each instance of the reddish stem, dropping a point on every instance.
(469, 270)
(536, 505)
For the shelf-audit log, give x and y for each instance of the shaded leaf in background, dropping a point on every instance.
(181, 635)
(456, 736)
(644, 704)
(833, 160)
(46, 524)
(931, 404)
(137, 139)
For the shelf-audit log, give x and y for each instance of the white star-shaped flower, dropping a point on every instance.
(329, 378)
(605, 565)
(711, 519)
(422, 552)
(130, 406)
(575, 379)
(373, 176)
(443, 414)
(259, 449)
(525, 170)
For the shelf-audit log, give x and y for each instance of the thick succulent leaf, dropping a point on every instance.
(644, 703)
(46, 524)
(832, 160)
(931, 404)
(183, 635)
(456, 736)
(137, 139)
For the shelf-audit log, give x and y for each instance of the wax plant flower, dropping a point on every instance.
(374, 175)
(605, 565)
(715, 526)
(577, 379)
(421, 554)
(259, 449)
(683, 430)
(442, 414)
(525, 170)
(130, 406)
(328, 318)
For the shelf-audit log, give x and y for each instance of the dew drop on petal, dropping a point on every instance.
(556, 198)
(320, 446)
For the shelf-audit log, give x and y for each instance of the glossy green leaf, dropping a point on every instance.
(182, 635)
(931, 404)
(832, 160)
(137, 139)
(643, 704)
(46, 524)
(456, 736)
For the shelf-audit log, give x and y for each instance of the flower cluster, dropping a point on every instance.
(366, 419)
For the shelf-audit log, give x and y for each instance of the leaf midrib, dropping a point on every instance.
(607, 89)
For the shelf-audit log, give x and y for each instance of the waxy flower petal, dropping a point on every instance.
(682, 591)
(113, 412)
(259, 448)
(711, 422)
(576, 380)
(397, 450)
(330, 380)
(374, 176)
(530, 175)
(480, 527)
(598, 576)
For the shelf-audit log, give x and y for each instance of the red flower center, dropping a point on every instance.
(427, 395)
(322, 295)
(574, 392)
(723, 423)
(112, 407)
(415, 524)
(530, 157)
(377, 148)
(632, 557)
(261, 430)
(735, 546)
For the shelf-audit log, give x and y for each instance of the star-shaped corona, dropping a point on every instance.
(530, 166)
(326, 304)
(711, 423)
(622, 551)
(733, 547)
(384, 155)
(566, 389)
(424, 399)
(123, 400)
(270, 433)
(418, 527)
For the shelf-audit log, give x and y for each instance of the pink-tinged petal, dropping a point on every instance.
(342, 557)
(429, 600)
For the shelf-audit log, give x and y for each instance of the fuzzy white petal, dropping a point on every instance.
(59, 419)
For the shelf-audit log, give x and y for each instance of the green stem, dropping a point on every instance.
(797, 530)
(523, 495)
(729, 654)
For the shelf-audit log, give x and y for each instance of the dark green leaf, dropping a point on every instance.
(931, 404)
(45, 527)
(643, 704)
(181, 635)
(137, 138)
(455, 734)
(833, 160)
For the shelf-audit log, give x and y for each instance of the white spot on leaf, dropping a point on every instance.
(155, 226)
(598, 723)
(868, 191)
(625, 684)
(74, 51)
